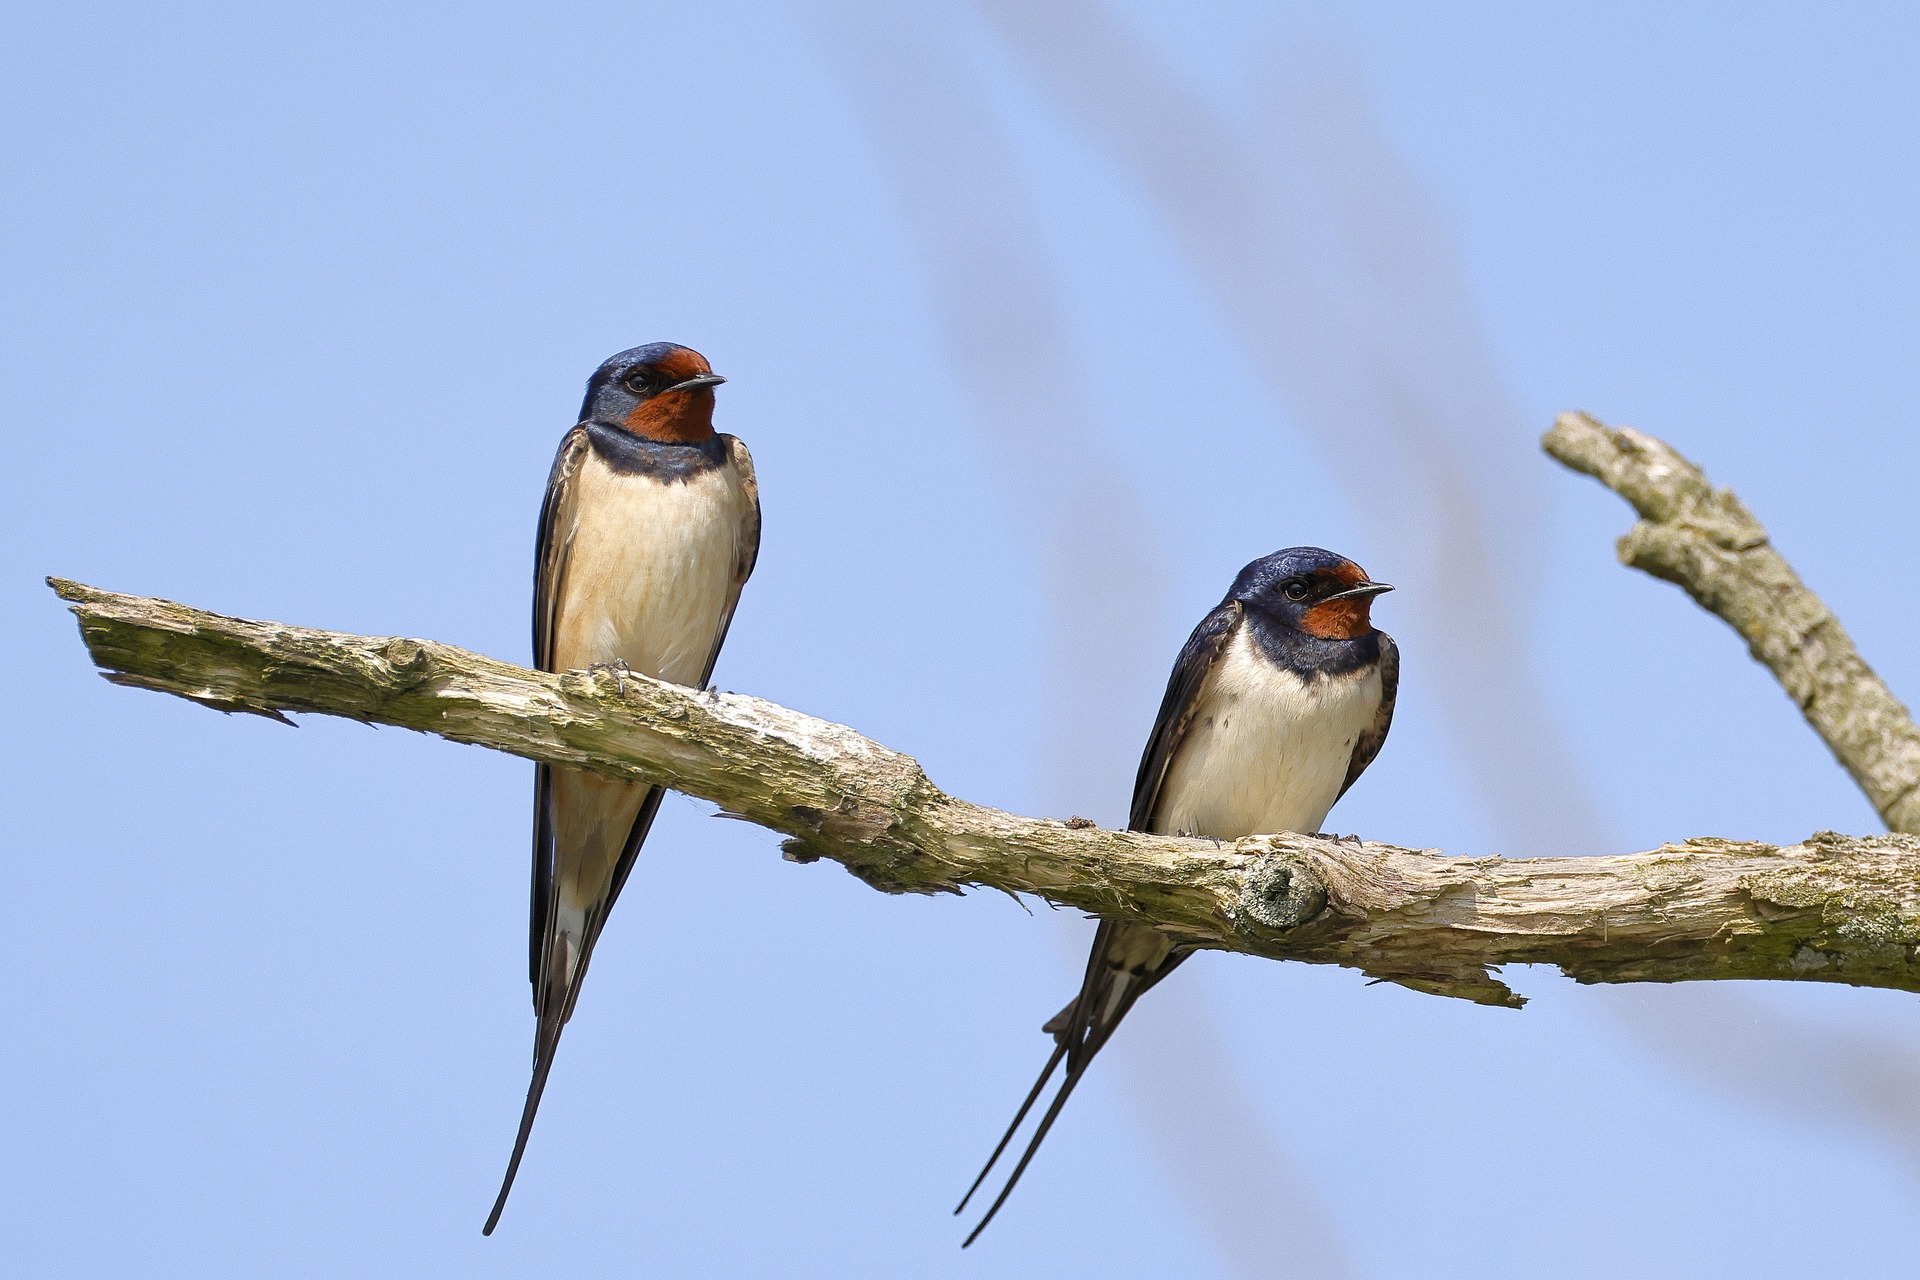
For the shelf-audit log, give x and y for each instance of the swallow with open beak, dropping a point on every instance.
(649, 529)
(1280, 700)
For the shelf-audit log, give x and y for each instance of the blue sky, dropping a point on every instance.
(298, 304)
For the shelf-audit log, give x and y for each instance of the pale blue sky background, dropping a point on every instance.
(297, 304)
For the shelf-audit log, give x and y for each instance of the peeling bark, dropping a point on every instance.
(1831, 909)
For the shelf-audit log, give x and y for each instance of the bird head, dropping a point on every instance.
(1313, 591)
(662, 391)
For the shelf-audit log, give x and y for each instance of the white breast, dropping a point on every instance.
(1266, 750)
(649, 570)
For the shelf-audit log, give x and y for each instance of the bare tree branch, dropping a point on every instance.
(1705, 540)
(1833, 908)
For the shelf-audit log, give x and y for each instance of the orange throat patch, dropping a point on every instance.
(1339, 619)
(675, 417)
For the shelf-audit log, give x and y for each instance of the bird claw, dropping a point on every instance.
(1336, 839)
(618, 669)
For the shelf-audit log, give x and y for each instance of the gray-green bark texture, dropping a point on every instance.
(1706, 541)
(1833, 908)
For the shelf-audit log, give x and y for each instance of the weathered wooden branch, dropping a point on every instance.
(1833, 908)
(1705, 540)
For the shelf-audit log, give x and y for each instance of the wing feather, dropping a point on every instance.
(1190, 671)
(1374, 736)
(749, 545)
(551, 546)
(554, 541)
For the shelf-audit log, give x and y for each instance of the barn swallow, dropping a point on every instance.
(1280, 700)
(649, 529)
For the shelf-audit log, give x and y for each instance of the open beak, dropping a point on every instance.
(694, 384)
(1362, 592)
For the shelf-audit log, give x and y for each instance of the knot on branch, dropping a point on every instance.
(405, 656)
(1282, 894)
(1833, 909)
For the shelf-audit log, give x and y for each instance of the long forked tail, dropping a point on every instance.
(1080, 1031)
(1033, 1095)
(1074, 1072)
(546, 1041)
(560, 990)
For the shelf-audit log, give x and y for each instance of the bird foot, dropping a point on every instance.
(1328, 835)
(618, 669)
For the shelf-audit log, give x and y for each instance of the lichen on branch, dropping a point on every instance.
(1706, 541)
(1832, 908)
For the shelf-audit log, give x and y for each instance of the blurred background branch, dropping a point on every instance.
(993, 286)
(313, 295)
(1340, 275)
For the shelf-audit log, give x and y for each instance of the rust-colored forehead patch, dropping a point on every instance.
(676, 366)
(1346, 573)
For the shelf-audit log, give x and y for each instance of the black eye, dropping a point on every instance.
(638, 383)
(1295, 590)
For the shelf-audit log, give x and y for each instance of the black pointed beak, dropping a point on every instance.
(1362, 592)
(694, 384)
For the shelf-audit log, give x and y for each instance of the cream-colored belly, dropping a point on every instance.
(648, 577)
(1266, 750)
(649, 571)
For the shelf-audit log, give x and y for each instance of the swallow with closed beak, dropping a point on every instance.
(650, 527)
(1280, 700)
